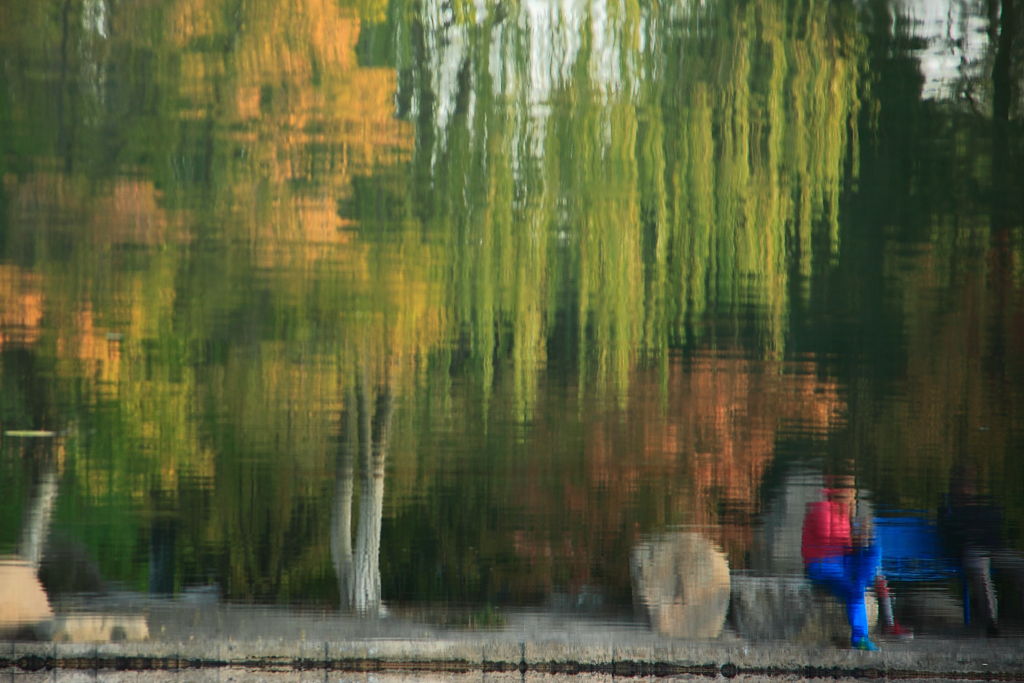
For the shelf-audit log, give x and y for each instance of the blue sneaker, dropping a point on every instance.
(864, 644)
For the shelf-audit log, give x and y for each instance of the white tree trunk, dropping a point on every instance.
(367, 433)
(37, 522)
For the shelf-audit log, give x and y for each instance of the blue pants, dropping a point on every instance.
(847, 577)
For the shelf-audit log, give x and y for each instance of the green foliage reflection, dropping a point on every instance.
(671, 163)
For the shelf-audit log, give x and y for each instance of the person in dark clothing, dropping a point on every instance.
(971, 526)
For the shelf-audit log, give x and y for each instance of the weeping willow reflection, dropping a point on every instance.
(613, 172)
(217, 237)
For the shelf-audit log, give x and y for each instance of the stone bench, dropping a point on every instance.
(790, 608)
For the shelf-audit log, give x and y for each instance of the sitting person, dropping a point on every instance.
(840, 553)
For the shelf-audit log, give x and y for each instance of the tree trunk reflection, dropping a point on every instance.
(365, 430)
(36, 526)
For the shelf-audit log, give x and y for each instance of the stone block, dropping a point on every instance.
(24, 605)
(97, 628)
(790, 608)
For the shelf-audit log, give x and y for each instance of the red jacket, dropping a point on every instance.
(826, 531)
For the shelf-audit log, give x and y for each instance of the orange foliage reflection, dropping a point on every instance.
(300, 116)
(691, 450)
(21, 306)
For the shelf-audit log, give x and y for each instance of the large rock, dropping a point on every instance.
(23, 602)
(790, 608)
(681, 582)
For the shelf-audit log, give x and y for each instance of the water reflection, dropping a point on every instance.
(924, 571)
(628, 268)
(971, 524)
(840, 552)
(682, 583)
(951, 44)
(366, 432)
(26, 583)
(690, 450)
(36, 526)
(23, 602)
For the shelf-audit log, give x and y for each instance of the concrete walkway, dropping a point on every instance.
(219, 642)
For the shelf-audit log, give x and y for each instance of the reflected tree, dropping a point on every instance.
(581, 191)
(605, 176)
(932, 266)
(46, 458)
(366, 427)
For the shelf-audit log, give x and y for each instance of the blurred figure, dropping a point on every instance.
(971, 525)
(840, 553)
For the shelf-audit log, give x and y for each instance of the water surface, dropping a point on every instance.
(453, 309)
